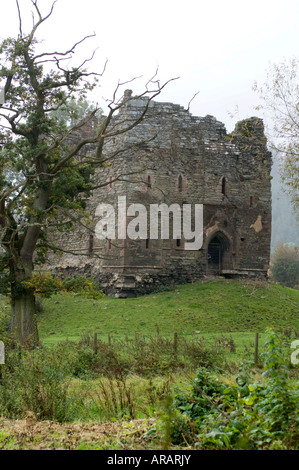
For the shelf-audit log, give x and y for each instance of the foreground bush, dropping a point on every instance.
(248, 415)
(32, 383)
(40, 381)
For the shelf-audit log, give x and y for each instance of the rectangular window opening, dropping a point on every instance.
(90, 245)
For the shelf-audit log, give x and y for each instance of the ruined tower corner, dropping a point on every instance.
(252, 127)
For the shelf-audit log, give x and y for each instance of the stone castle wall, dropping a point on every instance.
(174, 157)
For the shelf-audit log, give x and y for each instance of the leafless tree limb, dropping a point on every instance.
(193, 97)
(20, 18)
(41, 18)
(69, 51)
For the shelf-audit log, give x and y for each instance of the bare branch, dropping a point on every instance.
(41, 18)
(69, 51)
(78, 252)
(194, 96)
(20, 19)
(5, 194)
(103, 132)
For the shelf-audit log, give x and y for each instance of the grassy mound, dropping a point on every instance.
(214, 307)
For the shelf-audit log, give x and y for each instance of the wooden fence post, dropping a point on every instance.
(175, 342)
(95, 342)
(256, 349)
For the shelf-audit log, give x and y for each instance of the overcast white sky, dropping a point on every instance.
(218, 48)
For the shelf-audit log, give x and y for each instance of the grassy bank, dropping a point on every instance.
(215, 307)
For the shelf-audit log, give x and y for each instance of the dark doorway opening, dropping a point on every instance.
(217, 248)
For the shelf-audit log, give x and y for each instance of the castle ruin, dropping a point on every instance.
(174, 157)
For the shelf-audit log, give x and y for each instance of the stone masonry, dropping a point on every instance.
(174, 157)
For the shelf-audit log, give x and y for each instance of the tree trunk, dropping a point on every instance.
(23, 325)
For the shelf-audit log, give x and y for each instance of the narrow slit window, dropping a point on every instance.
(147, 243)
(180, 183)
(223, 186)
(149, 182)
(178, 242)
(251, 201)
(109, 244)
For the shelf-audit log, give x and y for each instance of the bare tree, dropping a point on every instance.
(41, 170)
(280, 101)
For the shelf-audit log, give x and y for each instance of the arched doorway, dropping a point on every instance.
(217, 252)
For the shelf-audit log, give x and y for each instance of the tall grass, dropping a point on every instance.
(40, 381)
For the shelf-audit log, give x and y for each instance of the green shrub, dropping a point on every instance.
(83, 286)
(45, 285)
(30, 383)
(173, 426)
(285, 265)
(249, 414)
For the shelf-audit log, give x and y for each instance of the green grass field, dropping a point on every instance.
(236, 307)
(120, 387)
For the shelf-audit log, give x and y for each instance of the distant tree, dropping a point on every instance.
(280, 101)
(285, 265)
(284, 223)
(41, 172)
(74, 111)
